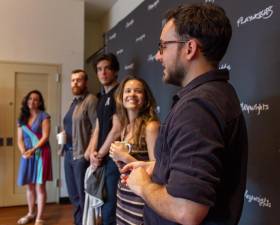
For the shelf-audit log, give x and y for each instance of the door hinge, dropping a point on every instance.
(58, 183)
(57, 129)
(58, 78)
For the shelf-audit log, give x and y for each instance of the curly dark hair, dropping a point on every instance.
(146, 114)
(207, 23)
(24, 111)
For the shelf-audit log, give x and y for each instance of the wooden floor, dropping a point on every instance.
(55, 214)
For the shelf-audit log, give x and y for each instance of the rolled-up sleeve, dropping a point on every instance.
(196, 149)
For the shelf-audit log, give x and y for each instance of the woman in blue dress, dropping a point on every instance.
(35, 164)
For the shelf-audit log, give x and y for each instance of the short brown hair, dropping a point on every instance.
(81, 71)
(110, 57)
(208, 23)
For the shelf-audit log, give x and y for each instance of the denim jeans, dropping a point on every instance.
(75, 174)
(112, 176)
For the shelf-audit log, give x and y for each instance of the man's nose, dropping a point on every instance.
(158, 56)
(103, 71)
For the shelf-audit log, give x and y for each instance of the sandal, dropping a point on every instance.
(39, 222)
(26, 219)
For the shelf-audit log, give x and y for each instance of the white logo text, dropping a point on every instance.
(113, 36)
(129, 67)
(263, 14)
(151, 58)
(154, 5)
(120, 51)
(259, 108)
(140, 38)
(129, 23)
(225, 66)
(262, 201)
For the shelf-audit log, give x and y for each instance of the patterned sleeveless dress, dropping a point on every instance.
(130, 207)
(38, 168)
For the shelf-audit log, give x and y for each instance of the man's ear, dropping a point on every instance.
(191, 49)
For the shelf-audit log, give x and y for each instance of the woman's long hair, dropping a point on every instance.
(146, 114)
(24, 111)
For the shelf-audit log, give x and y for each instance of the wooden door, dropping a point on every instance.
(16, 80)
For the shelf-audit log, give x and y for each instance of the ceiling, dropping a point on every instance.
(94, 9)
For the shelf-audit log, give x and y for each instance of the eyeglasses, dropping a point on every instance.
(162, 44)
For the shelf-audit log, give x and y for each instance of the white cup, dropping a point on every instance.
(61, 138)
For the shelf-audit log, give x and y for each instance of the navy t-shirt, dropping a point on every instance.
(67, 121)
(201, 151)
(106, 108)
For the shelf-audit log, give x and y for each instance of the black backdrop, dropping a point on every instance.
(253, 59)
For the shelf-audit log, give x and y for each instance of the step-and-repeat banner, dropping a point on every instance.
(253, 59)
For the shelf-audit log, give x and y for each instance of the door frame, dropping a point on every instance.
(55, 127)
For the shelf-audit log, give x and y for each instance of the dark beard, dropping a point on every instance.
(176, 76)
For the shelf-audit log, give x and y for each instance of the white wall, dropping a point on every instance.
(44, 31)
(118, 12)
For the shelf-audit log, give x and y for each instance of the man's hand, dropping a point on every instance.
(95, 159)
(137, 180)
(148, 166)
(140, 173)
(87, 155)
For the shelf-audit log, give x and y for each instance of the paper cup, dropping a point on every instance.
(61, 138)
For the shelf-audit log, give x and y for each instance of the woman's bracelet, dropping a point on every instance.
(129, 147)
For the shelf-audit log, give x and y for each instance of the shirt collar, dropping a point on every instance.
(102, 92)
(213, 75)
(80, 97)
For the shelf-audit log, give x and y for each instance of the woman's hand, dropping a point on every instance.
(119, 151)
(28, 154)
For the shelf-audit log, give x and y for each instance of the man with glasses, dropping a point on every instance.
(199, 175)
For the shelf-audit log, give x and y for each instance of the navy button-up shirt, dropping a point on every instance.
(201, 151)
